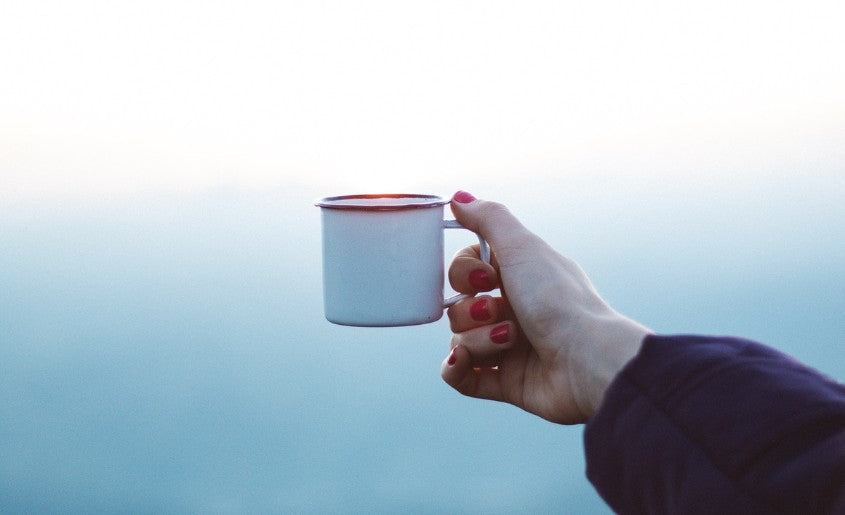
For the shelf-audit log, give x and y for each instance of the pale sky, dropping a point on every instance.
(112, 97)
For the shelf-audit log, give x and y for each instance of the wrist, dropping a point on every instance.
(610, 341)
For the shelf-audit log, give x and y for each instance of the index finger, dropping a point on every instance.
(469, 274)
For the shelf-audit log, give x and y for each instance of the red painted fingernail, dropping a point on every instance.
(452, 359)
(480, 311)
(500, 334)
(464, 197)
(480, 279)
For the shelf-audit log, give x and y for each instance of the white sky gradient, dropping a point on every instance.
(109, 97)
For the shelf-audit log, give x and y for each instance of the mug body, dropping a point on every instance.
(383, 259)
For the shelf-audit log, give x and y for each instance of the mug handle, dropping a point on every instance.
(485, 256)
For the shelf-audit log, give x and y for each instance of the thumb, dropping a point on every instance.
(493, 221)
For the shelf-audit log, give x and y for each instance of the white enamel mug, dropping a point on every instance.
(383, 262)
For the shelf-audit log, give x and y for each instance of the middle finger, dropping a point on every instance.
(475, 312)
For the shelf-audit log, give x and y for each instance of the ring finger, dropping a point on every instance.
(486, 342)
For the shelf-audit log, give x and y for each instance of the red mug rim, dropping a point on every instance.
(348, 201)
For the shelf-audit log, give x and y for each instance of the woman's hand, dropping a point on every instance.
(549, 344)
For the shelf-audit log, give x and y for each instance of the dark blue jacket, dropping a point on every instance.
(718, 425)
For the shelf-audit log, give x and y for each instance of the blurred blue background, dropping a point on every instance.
(168, 353)
(162, 343)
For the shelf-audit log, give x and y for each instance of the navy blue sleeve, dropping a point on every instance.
(699, 424)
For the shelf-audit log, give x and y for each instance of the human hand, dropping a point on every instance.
(550, 344)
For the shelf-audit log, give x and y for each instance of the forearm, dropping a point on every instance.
(697, 424)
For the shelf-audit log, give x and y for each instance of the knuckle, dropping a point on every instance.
(452, 314)
(466, 386)
(493, 210)
(454, 274)
(455, 341)
(454, 326)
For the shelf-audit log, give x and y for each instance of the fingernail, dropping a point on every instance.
(480, 279)
(452, 359)
(464, 197)
(500, 334)
(480, 311)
